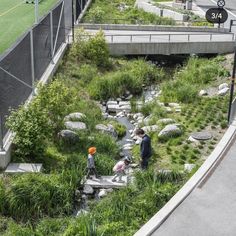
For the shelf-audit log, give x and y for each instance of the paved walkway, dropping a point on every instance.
(126, 36)
(210, 210)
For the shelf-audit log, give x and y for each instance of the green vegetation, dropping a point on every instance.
(10, 26)
(120, 12)
(186, 84)
(42, 204)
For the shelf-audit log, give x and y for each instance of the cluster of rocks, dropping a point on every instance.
(73, 123)
(223, 89)
(122, 6)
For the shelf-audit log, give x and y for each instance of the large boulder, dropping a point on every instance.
(68, 136)
(75, 116)
(108, 129)
(88, 189)
(203, 93)
(222, 86)
(75, 125)
(169, 131)
(223, 91)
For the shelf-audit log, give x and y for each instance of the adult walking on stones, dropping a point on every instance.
(91, 164)
(145, 148)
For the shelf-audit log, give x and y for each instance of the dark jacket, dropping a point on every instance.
(145, 147)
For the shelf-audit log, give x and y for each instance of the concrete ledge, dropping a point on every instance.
(151, 28)
(155, 222)
(15, 168)
(148, 7)
(171, 48)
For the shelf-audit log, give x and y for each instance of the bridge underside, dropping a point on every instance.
(169, 48)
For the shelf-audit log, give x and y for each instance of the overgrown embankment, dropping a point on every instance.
(120, 12)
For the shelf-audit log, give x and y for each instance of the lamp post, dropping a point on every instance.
(36, 11)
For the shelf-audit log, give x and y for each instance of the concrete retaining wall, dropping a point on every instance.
(170, 48)
(151, 28)
(162, 12)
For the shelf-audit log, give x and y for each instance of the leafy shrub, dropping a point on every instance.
(33, 196)
(91, 49)
(41, 119)
(96, 15)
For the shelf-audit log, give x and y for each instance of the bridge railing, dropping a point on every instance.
(155, 38)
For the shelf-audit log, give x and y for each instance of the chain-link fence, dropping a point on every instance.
(25, 62)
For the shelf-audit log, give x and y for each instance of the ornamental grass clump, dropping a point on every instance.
(198, 72)
(34, 196)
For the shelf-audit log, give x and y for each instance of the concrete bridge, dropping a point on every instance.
(154, 40)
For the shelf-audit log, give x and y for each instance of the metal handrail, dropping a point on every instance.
(150, 36)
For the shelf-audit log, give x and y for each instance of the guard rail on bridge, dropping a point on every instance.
(171, 43)
(154, 38)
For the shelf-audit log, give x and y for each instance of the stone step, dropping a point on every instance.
(14, 168)
(105, 182)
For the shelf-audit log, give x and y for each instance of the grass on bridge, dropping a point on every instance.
(16, 17)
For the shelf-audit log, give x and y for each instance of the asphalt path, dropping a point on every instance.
(124, 36)
(210, 209)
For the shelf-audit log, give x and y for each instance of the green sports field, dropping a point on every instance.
(16, 17)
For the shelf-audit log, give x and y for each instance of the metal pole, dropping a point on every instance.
(58, 27)
(32, 58)
(232, 85)
(73, 22)
(51, 35)
(1, 135)
(230, 27)
(36, 9)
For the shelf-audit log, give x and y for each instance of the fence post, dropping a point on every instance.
(32, 58)
(1, 135)
(230, 27)
(51, 36)
(73, 22)
(232, 86)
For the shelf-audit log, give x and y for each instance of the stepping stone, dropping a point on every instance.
(204, 135)
(105, 182)
(14, 168)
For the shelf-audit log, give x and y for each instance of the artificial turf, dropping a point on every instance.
(16, 17)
